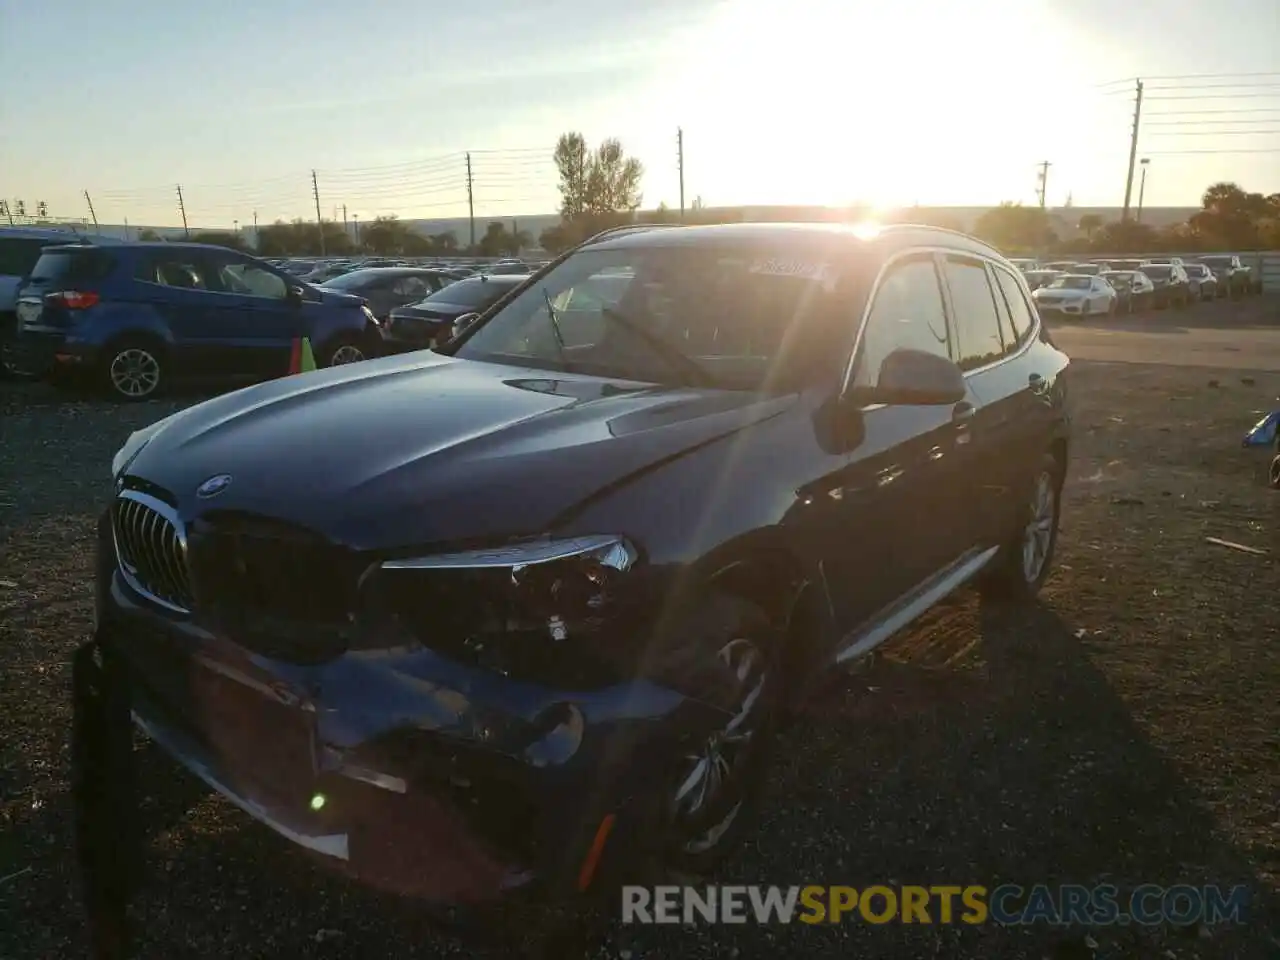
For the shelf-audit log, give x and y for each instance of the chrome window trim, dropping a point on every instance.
(169, 514)
(934, 251)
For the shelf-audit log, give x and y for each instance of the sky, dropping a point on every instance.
(808, 101)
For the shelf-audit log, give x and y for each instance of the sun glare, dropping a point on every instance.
(844, 102)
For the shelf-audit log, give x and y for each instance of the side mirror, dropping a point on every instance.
(915, 377)
(294, 295)
(461, 324)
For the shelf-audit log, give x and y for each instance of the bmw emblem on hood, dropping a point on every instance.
(213, 486)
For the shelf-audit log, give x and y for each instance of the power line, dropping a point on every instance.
(1172, 153)
(1221, 96)
(1204, 123)
(1215, 110)
(1211, 76)
(1221, 86)
(1215, 133)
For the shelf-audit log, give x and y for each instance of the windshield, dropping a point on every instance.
(1116, 277)
(1070, 283)
(1086, 268)
(1156, 272)
(712, 315)
(475, 292)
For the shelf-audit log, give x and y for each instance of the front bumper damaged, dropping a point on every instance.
(406, 770)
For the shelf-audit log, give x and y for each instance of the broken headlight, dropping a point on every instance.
(516, 609)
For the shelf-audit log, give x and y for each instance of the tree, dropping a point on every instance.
(558, 239)
(147, 235)
(1124, 237)
(385, 235)
(1090, 224)
(598, 189)
(220, 238)
(302, 237)
(1015, 228)
(444, 244)
(572, 162)
(1231, 217)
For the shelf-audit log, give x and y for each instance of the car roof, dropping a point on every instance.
(883, 239)
(482, 277)
(394, 271)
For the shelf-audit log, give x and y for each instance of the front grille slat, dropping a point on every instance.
(151, 549)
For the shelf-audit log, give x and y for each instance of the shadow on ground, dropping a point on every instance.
(983, 747)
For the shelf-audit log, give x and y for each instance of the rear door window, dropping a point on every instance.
(180, 269)
(974, 316)
(1019, 311)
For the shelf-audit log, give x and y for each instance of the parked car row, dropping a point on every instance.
(130, 318)
(1204, 278)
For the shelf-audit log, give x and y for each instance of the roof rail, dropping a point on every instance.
(625, 229)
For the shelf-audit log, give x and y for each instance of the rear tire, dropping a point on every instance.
(1023, 564)
(132, 369)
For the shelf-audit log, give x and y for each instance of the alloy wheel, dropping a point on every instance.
(1038, 534)
(710, 772)
(347, 353)
(134, 372)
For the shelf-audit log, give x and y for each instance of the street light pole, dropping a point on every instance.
(1142, 185)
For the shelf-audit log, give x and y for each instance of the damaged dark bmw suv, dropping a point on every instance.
(522, 612)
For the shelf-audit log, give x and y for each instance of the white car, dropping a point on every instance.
(1076, 295)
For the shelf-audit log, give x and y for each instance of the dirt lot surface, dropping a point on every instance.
(1125, 730)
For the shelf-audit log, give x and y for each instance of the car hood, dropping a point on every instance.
(420, 450)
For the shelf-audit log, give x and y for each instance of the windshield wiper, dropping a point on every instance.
(555, 323)
(695, 371)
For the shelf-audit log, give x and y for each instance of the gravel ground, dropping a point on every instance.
(1125, 730)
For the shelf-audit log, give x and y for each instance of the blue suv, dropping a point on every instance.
(135, 316)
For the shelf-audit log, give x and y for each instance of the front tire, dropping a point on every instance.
(1023, 564)
(132, 370)
(344, 350)
(715, 787)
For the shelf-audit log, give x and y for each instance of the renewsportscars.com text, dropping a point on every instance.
(1007, 905)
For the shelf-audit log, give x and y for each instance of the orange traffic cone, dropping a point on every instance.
(301, 358)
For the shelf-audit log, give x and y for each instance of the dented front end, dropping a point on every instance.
(456, 728)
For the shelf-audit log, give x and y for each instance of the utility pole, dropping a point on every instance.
(471, 204)
(1043, 180)
(680, 165)
(315, 192)
(344, 219)
(1133, 151)
(1142, 185)
(89, 201)
(182, 208)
